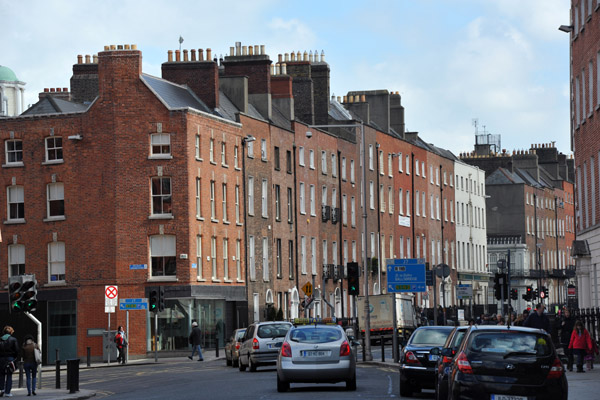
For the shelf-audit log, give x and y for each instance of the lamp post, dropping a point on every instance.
(245, 140)
(368, 356)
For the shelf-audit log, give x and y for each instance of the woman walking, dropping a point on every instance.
(30, 364)
(9, 351)
(580, 343)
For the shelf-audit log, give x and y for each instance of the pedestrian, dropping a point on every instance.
(30, 364)
(9, 351)
(121, 342)
(580, 343)
(538, 319)
(195, 340)
(500, 320)
(567, 323)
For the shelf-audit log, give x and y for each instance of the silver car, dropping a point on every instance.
(316, 354)
(261, 344)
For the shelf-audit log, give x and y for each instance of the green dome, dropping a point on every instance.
(7, 74)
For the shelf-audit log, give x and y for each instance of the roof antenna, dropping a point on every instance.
(180, 41)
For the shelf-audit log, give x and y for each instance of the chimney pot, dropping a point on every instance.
(134, 47)
(95, 58)
(262, 49)
(170, 56)
(52, 90)
(293, 56)
(127, 47)
(65, 89)
(339, 99)
(277, 69)
(250, 50)
(238, 48)
(256, 50)
(113, 47)
(287, 57)
(272, 69)
(357, 99)
(79, 59)
(363, 98)
(232, 51)
(59, 89)
(208, 54)
(310, 56)
(106, 48)
(244, 50)
(279, 58)
(345, 99)
(322, 56)
(193, 54)
(46, 90)
(87, 58)
(200, 55)
(177, 55)
(185, 55)
(350, 99)
(119, 47)
(284, 69)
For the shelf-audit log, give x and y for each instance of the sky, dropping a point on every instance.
(501, 62)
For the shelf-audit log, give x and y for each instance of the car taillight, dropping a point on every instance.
(557, 369)
(345, 349)
(286, 350)
(463, 364)
(411, 358)
(255, 344)
(237, 345)
(446, 360)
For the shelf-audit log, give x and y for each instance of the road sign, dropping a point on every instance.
(138, 266)
(109, 309)
(442, 271)
(464, 292)
(133, 304)
(111, 296)
(308, 289)
(406, 275)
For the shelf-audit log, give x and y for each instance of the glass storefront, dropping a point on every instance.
(175, 324)
(62, 330)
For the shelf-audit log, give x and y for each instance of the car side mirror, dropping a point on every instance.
(447, 352)
(355, 343)
(351, 337)
(435, 351)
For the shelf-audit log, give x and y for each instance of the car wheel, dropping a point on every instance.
(242, 367)
(282, 386)
(405, 389)
(351, 383)
(251, 365)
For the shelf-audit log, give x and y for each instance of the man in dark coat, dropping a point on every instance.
(567, 323)
(195, 340)
(9, 351)
(538, 319)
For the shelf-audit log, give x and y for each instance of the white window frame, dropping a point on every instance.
(15, 195)
(54, 150)
(251, 195)
(13, 156)
(160, 145)
(55, 192)
(56, 262)
(264, 198)
(301, 156)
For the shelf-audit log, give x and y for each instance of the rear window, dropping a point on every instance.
(273, 330)
(457, 339)
(433, 337)
(316, 335)
(240, 335)
(505, 342)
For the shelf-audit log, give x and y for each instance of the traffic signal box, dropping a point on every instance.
(499, 288)
(528, 296)
(514, 294)
(22, 292)
(153, 300)
(161, 298)
(353, 284)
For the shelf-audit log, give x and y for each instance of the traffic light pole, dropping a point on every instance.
(39, 341)
(155, 337)
(508, 291)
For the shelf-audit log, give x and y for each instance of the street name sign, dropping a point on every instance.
(464, 292)
(406, 275)
(133, 304)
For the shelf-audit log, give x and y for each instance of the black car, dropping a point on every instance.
(499, 363)
(417, 365)
(445, 355)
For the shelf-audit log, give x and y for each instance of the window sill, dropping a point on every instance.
(213, 163)
(200, 280)
(199, 159)
(55, 283)
(302, 165)
(15, 221)
(226, 222)
(160, 157)
(264, 160)
(239, 281)
(162, 279)
(265, 280)
(53, 162)
(199, 218)
(224, 165)
(13, 165)
(216, 221)
(227, 281)
(237, 168)
(239, 224)
(161, 216)
(215, 280)
(265, 216)
(53, 219)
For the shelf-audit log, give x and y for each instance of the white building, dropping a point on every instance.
(471, 238)
(12, 93)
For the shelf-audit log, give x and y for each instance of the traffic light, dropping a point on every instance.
(497, 286)
(534, 295)
(528, 294)
(514, 294)
(161, 298)
(15, 283)
(153, 300)
(353, 287)
(22, 293)
(543, 292)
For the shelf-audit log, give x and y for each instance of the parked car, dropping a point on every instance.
(443, 365)
(417, 365)
(261, 343)
(500, 362)
(232, 347)
(316, 353)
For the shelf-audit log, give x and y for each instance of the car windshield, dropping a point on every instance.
(509, 343)
(273, 330)
(435, 337)
(240, 335)
(317, 334)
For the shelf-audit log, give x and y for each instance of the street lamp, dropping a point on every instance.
(245, 140)
(368, 356)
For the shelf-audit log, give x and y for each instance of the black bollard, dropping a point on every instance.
(363, 349)
(89, 356)
(217, 347)
(20, 363)
(73, 375)
(57, 372)
(382, 349)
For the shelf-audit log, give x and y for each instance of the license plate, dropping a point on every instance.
(508, 397)
(315, 353)
(433, 357)
(273, 345)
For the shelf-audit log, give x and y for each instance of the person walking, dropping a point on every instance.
(9, 351)
(30, 364)
(567, 323)
(121, 342)
(538, 319)
(195, 340)
(580, 343)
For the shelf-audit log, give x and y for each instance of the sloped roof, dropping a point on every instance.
(51, 105)
(279, 119)
(502, 176)
(338, 112)
(174, 95)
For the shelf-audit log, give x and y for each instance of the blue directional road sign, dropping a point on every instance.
(406, 275)
(133, 304)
